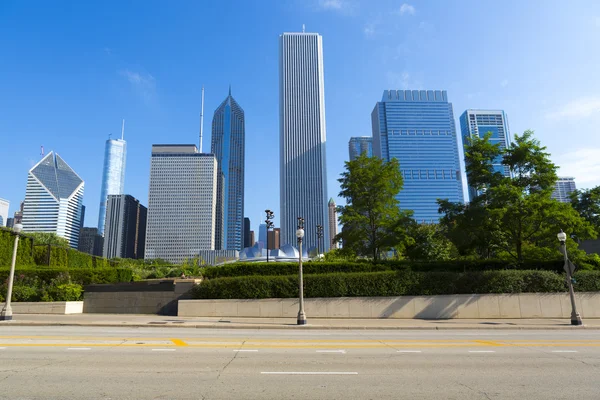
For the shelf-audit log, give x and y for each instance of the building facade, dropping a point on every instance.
(247, 238)
(564, 186)
(90, 242)
(125, 233)
(477, 123)
(181, 203)
(333, 223)
(113, 175)
(262, 235)
(4, 205)
(274, 236)
(10, 222)
(53, 199)
(302, 137)
(417, 128)
(360, 145)
(228, 144)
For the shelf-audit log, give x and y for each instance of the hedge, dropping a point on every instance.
(7, 241)
(269, 269)
(394, 283)
(82, 276)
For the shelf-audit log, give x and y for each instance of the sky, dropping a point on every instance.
(70, 71)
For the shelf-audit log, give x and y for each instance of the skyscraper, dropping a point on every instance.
(360, 145)
(417, 128)
(333, 223)
(564, 186)
(274, 237)
(181, 202)
(4, 204)
(113, 174)
(90, 242)
(53, 199)
(247, 242)
(228, 143)
(262, 235)
(476, 123)
(125, 233)
(302, 137)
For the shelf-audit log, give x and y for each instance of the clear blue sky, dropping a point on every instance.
(71, 70)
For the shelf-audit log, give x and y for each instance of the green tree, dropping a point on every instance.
(587, 204)
(371, 218)
(428, 243)
(47, 238)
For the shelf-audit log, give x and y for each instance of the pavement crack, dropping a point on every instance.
(235, 354)
(476, 391)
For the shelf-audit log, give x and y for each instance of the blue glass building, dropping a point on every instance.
(476, 123)
(417, 128)
(113, 175)
(360, 145)
(228, 144)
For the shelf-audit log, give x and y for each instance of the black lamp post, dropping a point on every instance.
(269, 224)
(569, 269)
(300, 234)
(319, 236)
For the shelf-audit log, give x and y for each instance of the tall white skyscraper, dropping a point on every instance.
(4, 204)
(302, 137)
(53, 199)
(564, 186)
(181, 202)
(113, 174)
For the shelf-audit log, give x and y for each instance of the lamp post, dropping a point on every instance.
(269, 223)
(319, 236)
(569, 268)
(300, 234)
(6, 314)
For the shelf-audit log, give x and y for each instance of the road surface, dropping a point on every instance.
(181, 363)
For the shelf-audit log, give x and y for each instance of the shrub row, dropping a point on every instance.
(81, 276)
(268, 269)
(63, 257)
(393, 283)
(7, 241)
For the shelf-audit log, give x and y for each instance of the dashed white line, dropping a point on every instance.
(245, 350)
(163, 349)
(2, 348)
(308, 373)
(332, 351)
(481, 351)
(79, 348)
(564, 351)
(408, 351)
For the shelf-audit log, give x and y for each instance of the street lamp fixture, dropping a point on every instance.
(6, 314)
(319, 236)
(269, 223)
(569, 268)
(300, 234)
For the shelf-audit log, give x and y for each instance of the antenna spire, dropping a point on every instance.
(230, 89)
(303, 28)
(202, 119)
(123, 130)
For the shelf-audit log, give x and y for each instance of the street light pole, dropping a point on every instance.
(300, 234)
(269, 223)
(569, 268)
(319, 236)
(6, 314)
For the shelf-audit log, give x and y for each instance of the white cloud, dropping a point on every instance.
(406, 8)
(504, 83)
(581, 108)
(583, 164)
(144, 84)
(402, 81)
(331, 4)
(369, 30)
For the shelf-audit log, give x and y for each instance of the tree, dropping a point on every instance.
(428, 243)
(48, 238)
(511, 214)
(372, 218)
(587, 204)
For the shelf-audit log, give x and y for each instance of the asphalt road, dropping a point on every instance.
(167, 363)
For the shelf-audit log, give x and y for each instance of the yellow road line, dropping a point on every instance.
(179, 342)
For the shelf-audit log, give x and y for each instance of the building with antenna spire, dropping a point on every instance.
(113, 173)
(228, 146)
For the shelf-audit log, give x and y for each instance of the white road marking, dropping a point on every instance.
(409, 351)
(244, 350)
(308, 373)
(332, 351)
(79, 348)
(163, 349)
(564, 351)
(481, 351)
(2, 348)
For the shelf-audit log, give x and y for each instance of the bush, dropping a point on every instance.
(393, 283)
(24, 252)
(62, 292)
(82, 276)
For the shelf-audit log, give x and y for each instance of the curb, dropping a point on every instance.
(304, 327)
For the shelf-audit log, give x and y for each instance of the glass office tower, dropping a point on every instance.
(228, 144)
(476, 123)
(360, 145)
(302, 137)
(564, 186)
(417, 128)
(113, 175)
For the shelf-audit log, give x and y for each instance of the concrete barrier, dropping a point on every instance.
(50, 307)
(522, 305)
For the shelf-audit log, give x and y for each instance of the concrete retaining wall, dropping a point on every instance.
(524, 305)
(51, 307)
(158, 297)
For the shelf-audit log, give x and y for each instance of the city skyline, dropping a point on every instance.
(302, 138)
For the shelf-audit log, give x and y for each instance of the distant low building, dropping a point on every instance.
(214, 257)
(90, 242)
(10, 222)
(274, 237)
(360, 145)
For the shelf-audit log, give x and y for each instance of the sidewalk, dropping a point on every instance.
(127, 320)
